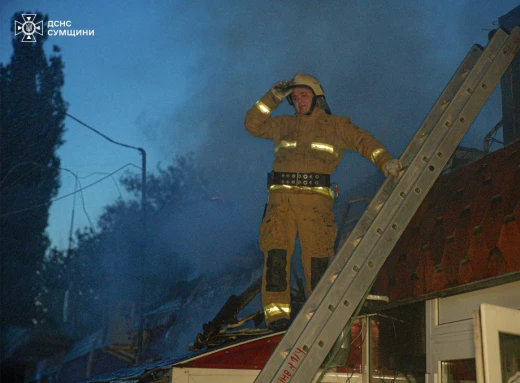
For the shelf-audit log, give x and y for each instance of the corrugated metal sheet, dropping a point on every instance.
(85, 346)
(132, 374)
(29, 345)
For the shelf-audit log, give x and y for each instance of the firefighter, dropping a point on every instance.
(307, 149)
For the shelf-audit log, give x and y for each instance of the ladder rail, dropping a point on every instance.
(433, 116)
(377, 256)
(366, 219)
(330, 307)
(448, 93)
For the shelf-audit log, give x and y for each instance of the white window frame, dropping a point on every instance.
(490, 320)
(455, 340)
(449, 341)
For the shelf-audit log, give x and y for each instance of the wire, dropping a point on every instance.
(33, 148)
(101, 134)
(490, 137)
(91, 174)
(333, 353)
(21, 176)
(115, 182)
(72, 220)
(35, 164)
(67, 195)
(350, 377)
(82, 200)
(96, 182)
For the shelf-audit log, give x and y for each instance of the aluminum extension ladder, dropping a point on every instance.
(343, 287)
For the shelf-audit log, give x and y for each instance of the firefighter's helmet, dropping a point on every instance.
(307, 81)
(303, 80)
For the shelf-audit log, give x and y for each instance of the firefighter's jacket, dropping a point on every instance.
(311, 144)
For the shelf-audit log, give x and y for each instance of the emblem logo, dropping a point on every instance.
(29, 28)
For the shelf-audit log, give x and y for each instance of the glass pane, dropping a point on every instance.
(459, 371)
(509, 357)
(397, 353)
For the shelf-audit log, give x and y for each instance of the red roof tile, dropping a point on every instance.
(467, 229)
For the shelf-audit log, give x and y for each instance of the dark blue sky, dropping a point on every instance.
(176, 76)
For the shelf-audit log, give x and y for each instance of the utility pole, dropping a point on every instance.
(142, 245)
(143, 252)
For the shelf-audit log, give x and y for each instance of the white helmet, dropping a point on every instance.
(302, 80)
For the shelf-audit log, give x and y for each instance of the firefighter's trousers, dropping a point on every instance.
(289, 214)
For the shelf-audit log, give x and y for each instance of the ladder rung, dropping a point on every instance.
(347, 280)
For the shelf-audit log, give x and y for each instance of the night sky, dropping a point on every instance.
(176, 77)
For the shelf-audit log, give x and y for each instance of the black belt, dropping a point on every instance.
(298, 179)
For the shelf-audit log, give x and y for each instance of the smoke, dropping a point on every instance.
(383, 64)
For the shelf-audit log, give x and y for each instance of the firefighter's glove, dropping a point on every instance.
(393, 167)
(282, 89)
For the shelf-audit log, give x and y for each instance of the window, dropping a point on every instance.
(497, 336)
(458, 371)
(451, 339)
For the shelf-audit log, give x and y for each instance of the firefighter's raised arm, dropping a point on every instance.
(258, 119)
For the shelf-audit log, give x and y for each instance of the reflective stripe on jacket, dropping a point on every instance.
(312, 144)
